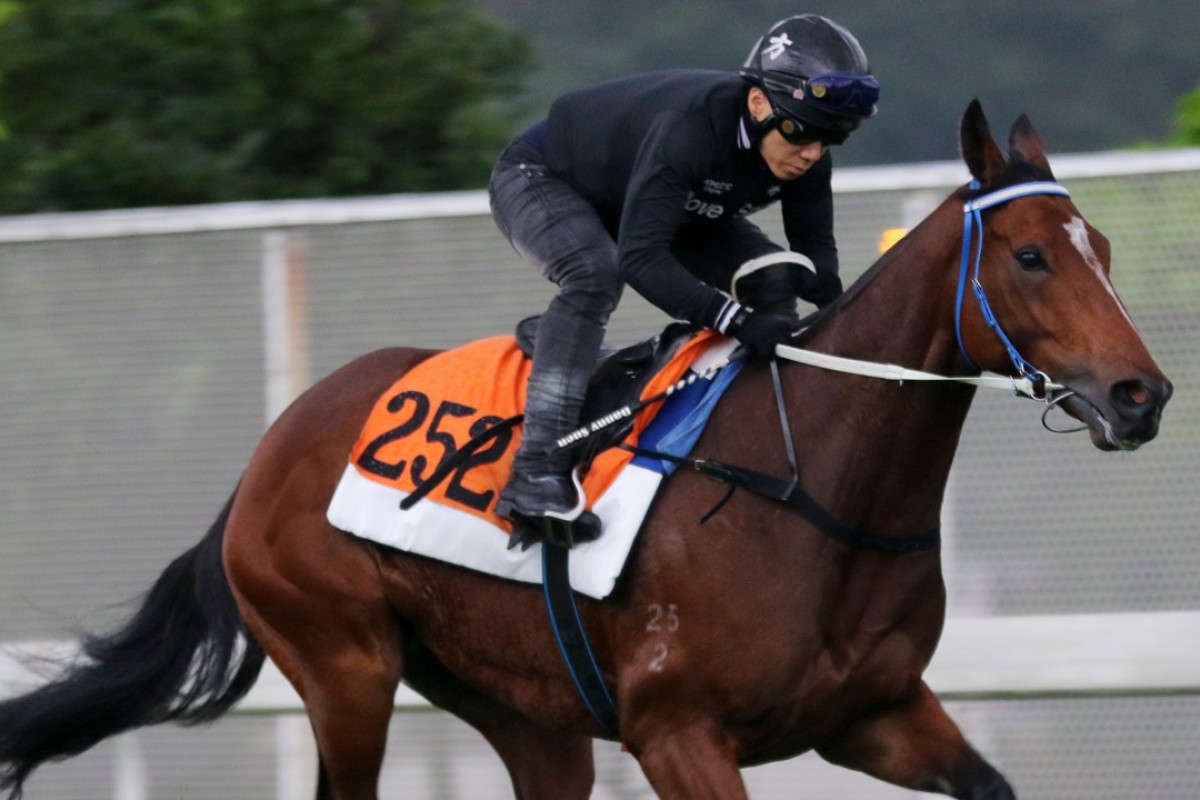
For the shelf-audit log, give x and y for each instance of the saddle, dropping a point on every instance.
(617, 380)
(618, 377)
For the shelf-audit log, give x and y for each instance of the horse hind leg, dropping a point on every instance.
(542, 764)
(345, 652)
(312, 598)
(347, 678)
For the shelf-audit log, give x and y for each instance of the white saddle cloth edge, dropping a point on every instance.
(371, 511)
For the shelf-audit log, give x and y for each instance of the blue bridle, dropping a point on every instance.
(972, 221)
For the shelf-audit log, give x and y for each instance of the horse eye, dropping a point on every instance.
(1031, 260)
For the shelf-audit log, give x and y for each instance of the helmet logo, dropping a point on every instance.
(778, 44)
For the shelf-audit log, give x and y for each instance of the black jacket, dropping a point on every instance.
(659, 152)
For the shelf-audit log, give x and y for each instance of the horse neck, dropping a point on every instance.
(884, 449)
(901, 310)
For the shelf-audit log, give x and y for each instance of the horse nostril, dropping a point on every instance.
(1134, 395)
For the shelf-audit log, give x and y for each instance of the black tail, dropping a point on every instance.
(186, 656)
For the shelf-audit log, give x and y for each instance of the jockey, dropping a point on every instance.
(648, 181)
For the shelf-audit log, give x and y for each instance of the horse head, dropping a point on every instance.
(1035, 297)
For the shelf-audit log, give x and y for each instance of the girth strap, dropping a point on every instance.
(556, 586)
(572, 639)
(794, 496)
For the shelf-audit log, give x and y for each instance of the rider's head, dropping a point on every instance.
(815, 79)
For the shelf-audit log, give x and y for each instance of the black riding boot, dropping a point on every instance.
(542, 498)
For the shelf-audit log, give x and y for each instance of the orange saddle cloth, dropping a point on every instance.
(444, 402)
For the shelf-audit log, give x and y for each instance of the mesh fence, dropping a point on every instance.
(1094, 749)
(132, 393)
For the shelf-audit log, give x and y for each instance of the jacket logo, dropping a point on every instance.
(702, 208)
(716, 187)
(748, 209)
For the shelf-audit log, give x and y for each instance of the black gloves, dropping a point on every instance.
(771, 283)
(771, 289)
(761, 332)
(821, 288)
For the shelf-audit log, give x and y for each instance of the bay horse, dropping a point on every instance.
(749, 638)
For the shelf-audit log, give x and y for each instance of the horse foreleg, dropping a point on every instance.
(916, 745)
(696, 763)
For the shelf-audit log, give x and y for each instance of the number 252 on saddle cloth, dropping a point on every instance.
(444, 402)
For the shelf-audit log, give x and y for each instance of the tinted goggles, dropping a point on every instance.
(847, 95)
(796, 132)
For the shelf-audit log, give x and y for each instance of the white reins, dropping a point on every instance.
(1047, 392)
(1029, 381)
(891, 372)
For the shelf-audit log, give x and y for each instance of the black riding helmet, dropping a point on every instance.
(816, 76)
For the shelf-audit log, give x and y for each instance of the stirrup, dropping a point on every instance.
(528, 531)
(557, 527)
(572, 514)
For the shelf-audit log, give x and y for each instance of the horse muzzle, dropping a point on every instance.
(1122, 416)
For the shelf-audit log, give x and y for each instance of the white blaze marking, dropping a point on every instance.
(1077, 232)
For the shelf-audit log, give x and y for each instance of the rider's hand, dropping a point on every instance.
(821, 288)
(761, 332)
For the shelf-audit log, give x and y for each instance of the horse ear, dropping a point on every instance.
(979, 149)
(1025, 143)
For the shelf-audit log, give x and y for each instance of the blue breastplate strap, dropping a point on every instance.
(972, 222)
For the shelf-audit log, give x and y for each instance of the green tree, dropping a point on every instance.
(1188, 120)
(117, 103)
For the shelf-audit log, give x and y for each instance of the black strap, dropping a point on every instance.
(793, 495)
(560, 598)
(572, 640)
(781, 404)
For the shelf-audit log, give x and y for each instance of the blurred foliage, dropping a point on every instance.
(1092, 74)
(116, 103)
(110, 103)
(1189, 119)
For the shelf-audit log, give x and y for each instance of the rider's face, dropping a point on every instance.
(786, 160)
(789, 161)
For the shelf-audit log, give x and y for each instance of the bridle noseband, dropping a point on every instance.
(973, 221)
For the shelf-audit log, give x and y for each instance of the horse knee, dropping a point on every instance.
(916, 745)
